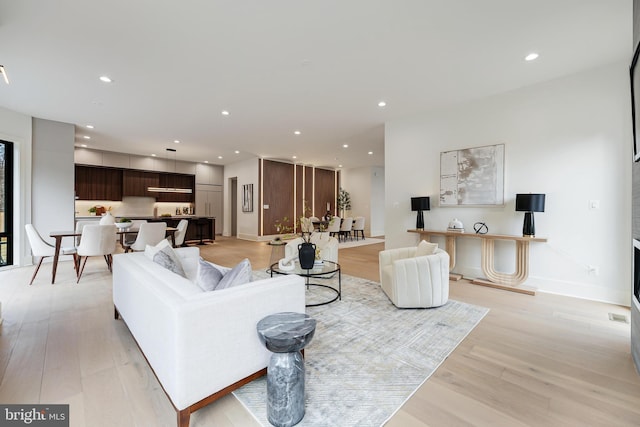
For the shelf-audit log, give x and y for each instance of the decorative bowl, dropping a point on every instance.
(123, 225)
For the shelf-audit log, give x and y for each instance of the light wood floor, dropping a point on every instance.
(536, 361)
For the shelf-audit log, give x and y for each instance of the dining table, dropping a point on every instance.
(59, 235)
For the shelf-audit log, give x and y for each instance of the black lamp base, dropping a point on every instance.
(420, 221)
(528, 228)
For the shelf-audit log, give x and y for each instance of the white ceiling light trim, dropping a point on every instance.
(531, 56)
(106, 79)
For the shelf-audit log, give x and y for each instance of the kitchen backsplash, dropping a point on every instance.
(135, 206)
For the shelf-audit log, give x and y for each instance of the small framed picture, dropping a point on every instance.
(247, 198)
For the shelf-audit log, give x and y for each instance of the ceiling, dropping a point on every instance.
(319, 67)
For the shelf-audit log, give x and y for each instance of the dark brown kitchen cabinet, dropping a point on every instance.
(136, 183)
(98, 183)
(175, 180)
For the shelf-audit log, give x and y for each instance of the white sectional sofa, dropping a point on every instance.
(200, 345)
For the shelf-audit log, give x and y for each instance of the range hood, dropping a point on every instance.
(170, 189)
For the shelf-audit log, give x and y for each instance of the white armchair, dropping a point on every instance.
(414, 282)
(327, 245)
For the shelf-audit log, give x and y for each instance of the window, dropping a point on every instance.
(6, 203)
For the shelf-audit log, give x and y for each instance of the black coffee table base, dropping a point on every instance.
(325, 270)
(325, 302)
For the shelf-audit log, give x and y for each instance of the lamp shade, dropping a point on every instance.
(420, 204)
(530, 202)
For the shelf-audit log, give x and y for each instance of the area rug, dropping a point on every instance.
(367, 356)
(360, 242)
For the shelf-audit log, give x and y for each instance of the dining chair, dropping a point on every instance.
(151, 233)
(315, 222)
(80, 225)
(334, 227)
(181, 232)
(40, 248)
(128, 239)
(358, 227)
(345, 228)
(96, 240)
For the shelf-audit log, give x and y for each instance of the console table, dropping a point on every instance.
(494, 279)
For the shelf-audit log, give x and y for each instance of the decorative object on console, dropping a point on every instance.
(529, 203)
(420, 204)
(456, 225)
(480, 228)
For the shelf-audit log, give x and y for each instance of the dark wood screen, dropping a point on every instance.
(277, 193)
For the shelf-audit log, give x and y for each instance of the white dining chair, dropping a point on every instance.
(129, 238)
(181, 232)
(80, 225)
(334, 226)
(40, 248)
(345, 228)
(358, 227)
(96, 240)
(151, 233)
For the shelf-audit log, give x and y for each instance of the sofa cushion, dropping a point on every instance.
(238, 275)
(164, 255)
(209, 276)
(426, 248)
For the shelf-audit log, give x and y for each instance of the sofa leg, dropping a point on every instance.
(183, 417)
(116, 315)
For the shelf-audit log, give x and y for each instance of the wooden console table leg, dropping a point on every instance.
(450, 248)
(507, 281)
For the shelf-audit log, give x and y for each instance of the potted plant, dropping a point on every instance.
(344, 201)
(92, 210)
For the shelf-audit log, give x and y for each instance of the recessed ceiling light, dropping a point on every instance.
(294, 157)
(153, 155)
(297, 132)
(345, 145)
(206, 161)
(370, 153)
(89, 126)
(83, 145)
(237, 152)
(86, 137)
(225, 113)
(339, 166)
(220, 157)
(105, 79)
(175, 141)
(531, 56)
(382, 104)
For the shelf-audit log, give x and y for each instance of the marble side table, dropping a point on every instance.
(285, 334)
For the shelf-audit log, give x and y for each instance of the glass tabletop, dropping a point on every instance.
(318, 269)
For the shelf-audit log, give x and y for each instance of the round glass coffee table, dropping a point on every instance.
(318, 271)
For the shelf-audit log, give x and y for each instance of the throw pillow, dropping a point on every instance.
(164, 255)
(426, 248)
(208, 276)
(238, 275)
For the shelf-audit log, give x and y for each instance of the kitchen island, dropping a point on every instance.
(197, 225)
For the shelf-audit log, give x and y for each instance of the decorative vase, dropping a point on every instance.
(307, 255)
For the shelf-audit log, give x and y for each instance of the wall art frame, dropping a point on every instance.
(472, 176)
(247, 198)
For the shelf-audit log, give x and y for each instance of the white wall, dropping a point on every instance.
(16, 128)
(569, 138)
(366, 188)
(53, 176)
(247, 222)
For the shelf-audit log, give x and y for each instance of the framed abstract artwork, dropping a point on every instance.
(472, 176)
(247, 198)
(635, 103)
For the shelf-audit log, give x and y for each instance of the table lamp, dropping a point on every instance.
(529, 203)
(420, 204)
